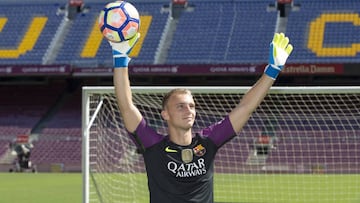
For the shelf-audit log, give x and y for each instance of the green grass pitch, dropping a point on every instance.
(41, 187)
(288, 188)
(241, 188)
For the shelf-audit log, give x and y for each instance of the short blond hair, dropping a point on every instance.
(174, 92)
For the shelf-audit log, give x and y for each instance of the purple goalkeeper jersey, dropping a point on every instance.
(181, 174)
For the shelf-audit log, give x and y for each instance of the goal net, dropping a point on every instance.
(302, 145)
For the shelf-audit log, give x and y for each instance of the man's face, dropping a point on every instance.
(180, 111)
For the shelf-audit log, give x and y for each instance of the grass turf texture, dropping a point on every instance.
(288, 188)
(254, 188)
(41, 187)
(244, 188)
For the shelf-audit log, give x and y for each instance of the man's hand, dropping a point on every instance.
(280, 50)
(121, 51)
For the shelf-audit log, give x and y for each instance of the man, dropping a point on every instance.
(180, 165)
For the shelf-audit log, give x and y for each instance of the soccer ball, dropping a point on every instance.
(119, 21)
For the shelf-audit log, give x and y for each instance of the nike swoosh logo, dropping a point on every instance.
(167, 149)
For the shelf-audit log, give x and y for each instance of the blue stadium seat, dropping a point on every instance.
(19, 18)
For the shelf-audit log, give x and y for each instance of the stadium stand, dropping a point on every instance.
(17, 16)
(229, 37)
(24, 108)
(21, 107)
(67, 119)
(298, 150)
(3, 146)
(73, 45)
(338, 32)
(55, 151)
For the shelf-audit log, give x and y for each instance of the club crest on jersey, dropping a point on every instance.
(199, 150)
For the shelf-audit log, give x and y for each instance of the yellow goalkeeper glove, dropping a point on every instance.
(280, 49)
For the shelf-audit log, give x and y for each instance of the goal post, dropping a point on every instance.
(301, 145)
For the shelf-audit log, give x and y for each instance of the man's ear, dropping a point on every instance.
(164, 115)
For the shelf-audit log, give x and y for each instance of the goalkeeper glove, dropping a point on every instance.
(121, 50)
(280, 50)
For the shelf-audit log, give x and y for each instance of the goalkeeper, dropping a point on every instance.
(180, 165)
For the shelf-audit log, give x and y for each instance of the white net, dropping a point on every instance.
(300, 145)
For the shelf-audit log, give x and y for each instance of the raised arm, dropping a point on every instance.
(130, 114)
(280, 49)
